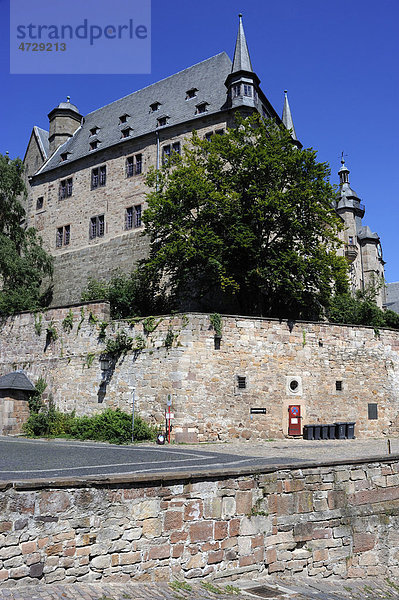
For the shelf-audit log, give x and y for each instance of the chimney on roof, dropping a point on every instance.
(64, 121)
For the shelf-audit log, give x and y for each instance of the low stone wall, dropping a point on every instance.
(342, 373)
(328, 520)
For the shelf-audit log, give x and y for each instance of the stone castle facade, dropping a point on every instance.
(86, 176)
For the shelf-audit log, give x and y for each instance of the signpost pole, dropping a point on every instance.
(169, 404)
(134, 397)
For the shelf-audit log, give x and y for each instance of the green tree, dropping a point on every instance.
(129, 295)
(24, 264)
(361, 309)
(245, 222)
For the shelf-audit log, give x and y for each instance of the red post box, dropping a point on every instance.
(294, 419)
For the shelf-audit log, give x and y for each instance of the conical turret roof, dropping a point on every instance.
(241, 61)
(287, 117)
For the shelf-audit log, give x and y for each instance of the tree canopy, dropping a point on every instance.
(24, 264)
(245, 223)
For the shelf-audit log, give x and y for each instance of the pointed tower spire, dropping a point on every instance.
(241, 61)
(287, 117)
(343, 172)
(242, 83)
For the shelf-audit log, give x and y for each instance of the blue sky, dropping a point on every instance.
(338, 59)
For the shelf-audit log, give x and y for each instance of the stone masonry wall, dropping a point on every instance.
(117, 249)
(180, 359)
(327, 520)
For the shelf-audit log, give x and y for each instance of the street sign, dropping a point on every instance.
(169, 401)
(169, 415)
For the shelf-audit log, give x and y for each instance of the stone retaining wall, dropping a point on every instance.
(339, 370)
(319, 521)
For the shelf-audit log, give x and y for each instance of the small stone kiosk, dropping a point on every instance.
(15, 389)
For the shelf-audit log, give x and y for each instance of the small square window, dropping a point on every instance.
(208, 136)
(94, 145)
(351, 240)
(155, 106)
(162, 121)
(39, 203)
(372, 412)
(241, 382)
(219, 131)
(123, 118)
(248, 90)
(338, 386)
(64, 156)
(94, 130)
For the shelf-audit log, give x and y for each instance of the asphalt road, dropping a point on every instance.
(22, 459)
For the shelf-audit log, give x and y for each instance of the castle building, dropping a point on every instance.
(362, 247)
(86, 176)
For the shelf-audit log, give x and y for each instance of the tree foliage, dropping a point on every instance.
(361, 309)
(245, 222)
(24, 264)
(129, 295)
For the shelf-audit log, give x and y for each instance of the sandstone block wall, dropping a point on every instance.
(117, 248)
(327, 520)
(14, 411)
(179, 358)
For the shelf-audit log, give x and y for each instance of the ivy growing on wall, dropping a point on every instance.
(67, 323)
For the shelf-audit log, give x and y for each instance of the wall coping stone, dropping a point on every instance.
(154, 479)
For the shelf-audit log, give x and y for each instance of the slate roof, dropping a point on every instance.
(207, 77)
(393, 292)
(364, 233)
(16, 381)
(42, 138)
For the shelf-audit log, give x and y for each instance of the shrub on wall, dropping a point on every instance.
(114, 426)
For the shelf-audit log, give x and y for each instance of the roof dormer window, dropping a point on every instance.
(162, 121)
(94, 145)
(64, 156)
(155, 106)
(191, 93)
(94, 130)
(123, 118)
(126, 132)
(201, 108)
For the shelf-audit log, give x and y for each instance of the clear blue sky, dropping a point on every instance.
(337, 58)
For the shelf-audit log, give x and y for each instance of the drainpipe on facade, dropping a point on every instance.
(157, 134)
